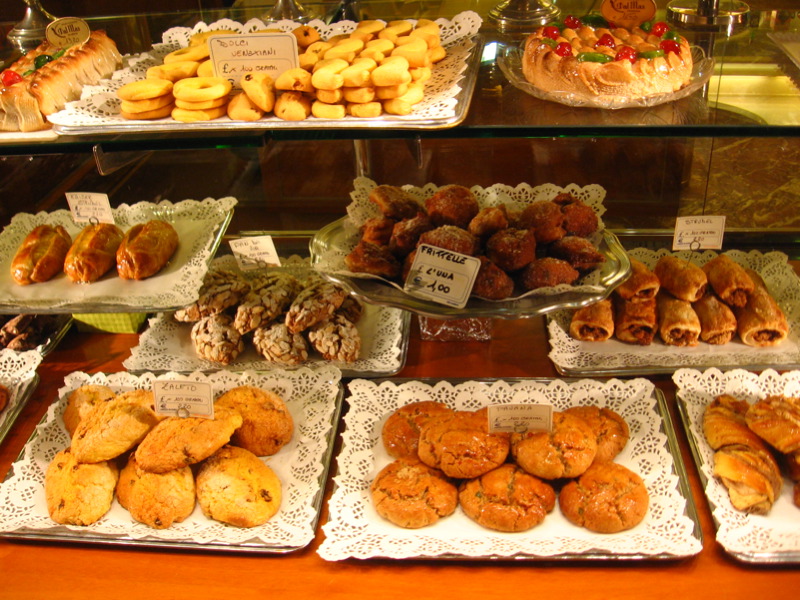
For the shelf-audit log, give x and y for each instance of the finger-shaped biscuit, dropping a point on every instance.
(173, 71)
(292, 106)
(327, 74)
(358, 73)
(404, 105)
(346, 49)
(324, 110)
(387, 92)
(201, 37)
(241, 108)
(368, 110)
(306, 35)
(392, 71)
(395, 29)
(192, 116)
(371, 26)
(144, 89)
(359, 95)
(330, 96)
(307, 60)
(260, 88)
(196, 53)
(415, 50)
(436, 54)
(421, 74)
(296, 79)
(364, 36)
(385, 46)
(430, 33)
(319, 47)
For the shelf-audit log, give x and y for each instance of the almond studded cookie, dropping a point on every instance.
(313, 304)
(81, 400)
(77, 493)
(221, 289)
(110, 429)
(156, 499)
(178, 442)
(234, 486)
(267, 423)
(413, 495)
(268, 297)
(277, 344)
(336, 339)
(216, 339)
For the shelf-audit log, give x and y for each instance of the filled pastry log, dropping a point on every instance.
(681, 278)
(41, 255)
(717, 321)
(678, 324)
(593, 323)
(635, 322)
(729, 280)
(641, 285)
(761, 322)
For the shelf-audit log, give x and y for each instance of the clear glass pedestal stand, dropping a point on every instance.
(523, 16)
(29, 33)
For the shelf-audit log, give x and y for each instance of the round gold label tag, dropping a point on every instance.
(67, 31)
(628, 13)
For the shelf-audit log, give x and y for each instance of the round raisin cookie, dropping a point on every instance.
(267, 425)
(78, 494)
(507, 499)
(156, 499)
(607, 498)
(413, 495)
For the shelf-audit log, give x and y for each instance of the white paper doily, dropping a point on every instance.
(574, 357)
(199, 224)
(771, 538)
(445, 96)
(355, 530)
(18, 375)
(313, 398)
(166, 344)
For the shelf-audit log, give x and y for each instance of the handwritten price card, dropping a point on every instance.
(699, 233)
(255, 252)
(183, 398)
(88, 207)
(235, 55)
(442, 276)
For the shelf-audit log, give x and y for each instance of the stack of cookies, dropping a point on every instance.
(159, 468)
(445, 458)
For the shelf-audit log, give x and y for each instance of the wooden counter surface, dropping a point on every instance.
(33, 570)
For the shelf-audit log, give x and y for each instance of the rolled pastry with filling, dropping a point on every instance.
(641, 285)
(678, 323)
(593, 323)
(729, 280)
(717, 321)
(681, 278)
(635, 322)
(761, 321)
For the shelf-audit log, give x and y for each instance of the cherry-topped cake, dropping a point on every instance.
(596, 59)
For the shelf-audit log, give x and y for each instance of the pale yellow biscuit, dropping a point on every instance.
(367, 110)
(241, 108)
(204, 105)
(111, 428)
(296, 79)
(158, 113)
(200, 89)
(194, 116)
(306, 35)
(292, 106)
(323, 110)
(78, 494)
(267, 423)
(140, 106)
(81, 400)
(156, 499)
(196, 53)
(174, 71)
(144, 89)
(260, 88)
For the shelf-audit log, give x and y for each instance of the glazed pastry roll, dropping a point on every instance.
(593, 323)
(678, 324)
(635, 322)
(729, 280)
(681, 278)
(761, 321)
(641, 285)
(717, 321)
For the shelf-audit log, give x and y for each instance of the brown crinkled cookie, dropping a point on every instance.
(507, 499)
(313, 304)
(268, 297)
(234, 486)
(566, 451)
(178, 442)
(221, 289)
(413, 495)
(277, 344)
(81, 400)
(607, 498)
(156, 499)
(267, 423)
(400, 432)
(610, 428)
(216, 339)
(460, 445)
(78, 494)
(336, 339)
(111, 428)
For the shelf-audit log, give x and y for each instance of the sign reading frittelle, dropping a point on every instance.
(442, 276)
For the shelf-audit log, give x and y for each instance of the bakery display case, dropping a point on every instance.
(727, 145)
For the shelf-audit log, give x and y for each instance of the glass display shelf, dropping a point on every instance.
(753, 89)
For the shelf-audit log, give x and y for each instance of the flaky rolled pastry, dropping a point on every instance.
(635, 322)
(641, 285)
(717, 321)
(729, 280)
(593, 323)
(751, 476)
(724, 424)
(760, 321)
(681, 278)
(776, 419)
(678, 324)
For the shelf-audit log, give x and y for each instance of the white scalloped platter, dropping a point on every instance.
(313, 398)
(767, 539)
(355, 530)
(612, 357)
(447, 94)
(166, 344)
(199, 224)
(18, 375)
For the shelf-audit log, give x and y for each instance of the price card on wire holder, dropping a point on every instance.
(255, 252)
(176, 398)
(89, 207)
(442, 276)
(519, 418)
(699, 233)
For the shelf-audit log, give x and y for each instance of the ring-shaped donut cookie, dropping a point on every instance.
(205, 105)
(201, 89)
(195, 53)
(140, 106)
(158, 113)
(192, 116)
(144, 89)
